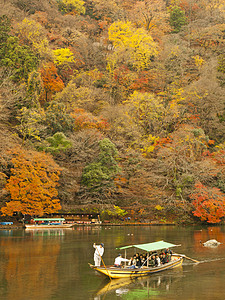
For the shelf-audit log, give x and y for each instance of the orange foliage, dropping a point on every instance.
(32, 184)
(162, 142)
(52, 83)
(209, 203)
(83, 119)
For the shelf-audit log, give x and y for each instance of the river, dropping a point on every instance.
(53, 264)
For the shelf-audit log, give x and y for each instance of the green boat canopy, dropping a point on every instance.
(150, 246)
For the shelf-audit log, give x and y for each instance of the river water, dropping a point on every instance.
(53, 264)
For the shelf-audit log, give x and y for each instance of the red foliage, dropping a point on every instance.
(148, 81)
(219, 157)
(209, 203)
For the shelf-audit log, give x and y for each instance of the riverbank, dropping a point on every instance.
(20, 226)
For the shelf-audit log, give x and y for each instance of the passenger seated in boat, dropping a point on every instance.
(162, 257)
(132, 263)
(118, 261)
(144, 260)
(151, 261)
(134, 259)
(167, 258)
(138, 262)
(157, 261)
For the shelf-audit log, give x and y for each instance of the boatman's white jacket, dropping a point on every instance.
(98, 250)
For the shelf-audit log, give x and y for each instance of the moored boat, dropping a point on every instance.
(127, 271)
(42, 223)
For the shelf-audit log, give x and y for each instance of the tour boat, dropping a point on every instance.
(42, 223)
(127, 271)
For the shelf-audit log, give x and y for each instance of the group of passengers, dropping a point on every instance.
(145, 260)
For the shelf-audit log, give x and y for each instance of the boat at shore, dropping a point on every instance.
(127, 271)
(49, 223)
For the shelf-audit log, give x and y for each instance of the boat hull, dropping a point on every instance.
(125, 272)
(27, 226)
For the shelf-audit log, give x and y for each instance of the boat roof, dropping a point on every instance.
(151, 246)
(49, 219)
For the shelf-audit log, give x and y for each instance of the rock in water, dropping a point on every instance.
(211, 243)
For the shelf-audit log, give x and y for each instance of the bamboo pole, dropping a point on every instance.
(183, 255)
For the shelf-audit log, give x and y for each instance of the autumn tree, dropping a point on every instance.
(30, 123)
(32, 184)
(147, 112)
(105, 9)
(182, 153)
(152, 15)
(63, 57)
(135, 45)
(83, 119)
(209, 203)
(71, 6)
(52, 82)
(32, 34)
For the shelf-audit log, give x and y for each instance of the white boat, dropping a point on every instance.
(50, 223)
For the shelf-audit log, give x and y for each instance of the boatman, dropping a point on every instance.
(99, 250)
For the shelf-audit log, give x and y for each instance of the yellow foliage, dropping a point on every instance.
(150, 144)
(159, 207)
(199, 61)
(63, 56)
(137, 42)
(77, 5)
(30, 120)
(32, 33)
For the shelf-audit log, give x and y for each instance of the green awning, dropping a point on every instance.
(49, 219)
(150, 246)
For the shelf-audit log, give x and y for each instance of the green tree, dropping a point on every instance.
(16, 58)
(177, 18)
(20, 59)
(98, 177)
(58, 119)
(5, 26)
(56, 143)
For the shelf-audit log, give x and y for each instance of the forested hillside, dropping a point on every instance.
(113, 102)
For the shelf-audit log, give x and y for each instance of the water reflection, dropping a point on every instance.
(28, 270)
(138, 288)
(46, 232)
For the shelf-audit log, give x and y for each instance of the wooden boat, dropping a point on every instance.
(126, 271)
(49, 223)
